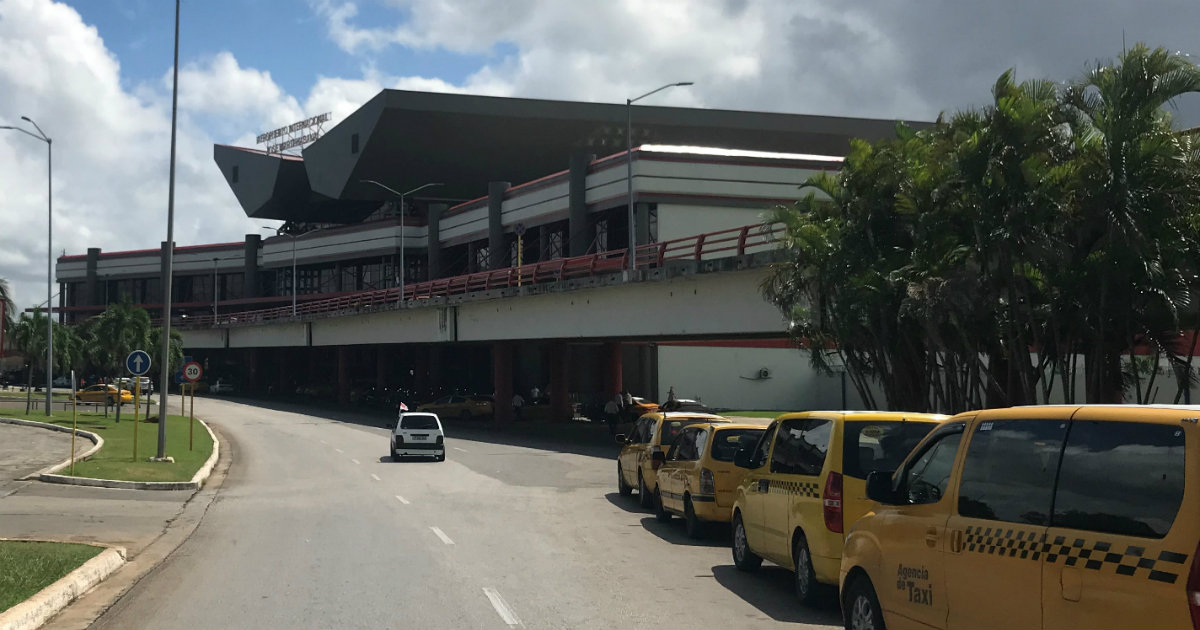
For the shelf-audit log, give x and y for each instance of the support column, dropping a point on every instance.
(343, 374)
(560, 403)
(92, 288)
(250, 286)
(434, 248)
(611, 356)
(497, 252)
(502, 360)
(641, 214)
(579, 233)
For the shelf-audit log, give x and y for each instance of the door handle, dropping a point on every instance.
(931, 536)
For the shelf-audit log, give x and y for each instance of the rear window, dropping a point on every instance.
(869, 446)
(727, 442)
(671, 428)
(418, 422)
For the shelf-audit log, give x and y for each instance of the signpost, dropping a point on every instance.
(138, 363)
(74, 419)
(519, 230)
(191, 373)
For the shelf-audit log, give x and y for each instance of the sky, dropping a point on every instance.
(96, 76)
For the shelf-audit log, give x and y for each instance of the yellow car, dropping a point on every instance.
(697, 478)
(460, 406)
(635, 467)
(806, 482)
(1067, 516)
(103, 393)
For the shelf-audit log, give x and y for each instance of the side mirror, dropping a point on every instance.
(879, 487)
(744, 458)
(621, 439)
(657, 458)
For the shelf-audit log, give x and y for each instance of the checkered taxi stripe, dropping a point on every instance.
(797, 488)
(1094, 555)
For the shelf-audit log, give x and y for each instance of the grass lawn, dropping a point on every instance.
(31, 566)
(115, 459)
(753, 414)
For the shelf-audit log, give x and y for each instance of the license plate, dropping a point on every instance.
(421, 436)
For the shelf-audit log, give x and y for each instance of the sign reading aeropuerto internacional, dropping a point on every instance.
(296, 134)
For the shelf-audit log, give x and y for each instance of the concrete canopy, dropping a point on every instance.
(405, 139)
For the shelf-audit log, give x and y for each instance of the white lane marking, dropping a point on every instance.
(354, 460)
(375, 477)
(441, 534)
(402, 499)
(501, 606)
(459, 449)
(325, 443)
(339, 450)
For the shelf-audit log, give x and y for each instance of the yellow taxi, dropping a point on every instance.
(460, 406)
(635, 466)
(697, 477)
(1071, 516)
(806, 481)
(103, 393)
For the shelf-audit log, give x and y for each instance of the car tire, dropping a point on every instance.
(861, 609)
(808, 590)
(693, 526)
(395, 455)
(660, 511)
(743, 558)
(645, 499)
(623, 488)
(439, 458)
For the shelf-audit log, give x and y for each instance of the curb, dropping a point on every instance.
(97, 442)
(47, 475)
(46, 603)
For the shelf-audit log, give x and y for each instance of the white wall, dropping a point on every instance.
(679, 221)
(722, 378)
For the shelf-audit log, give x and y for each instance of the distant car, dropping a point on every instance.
(103, 393)
(147, 384)
(62, 381)
(222, 386)
(460, 406)
(418, 434)
(641, 407)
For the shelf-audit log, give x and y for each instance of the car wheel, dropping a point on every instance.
(623, 488)
(395, 455)
(694, 526)
(660, 512)
(862, 611)
(644, 497)
(743, 558)
(808, 591)
(439, 458)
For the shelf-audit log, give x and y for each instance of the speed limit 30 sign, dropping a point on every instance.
(192, 372)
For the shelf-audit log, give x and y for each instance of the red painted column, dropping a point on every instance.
(611, 355)
(502, 364)
(343, 372)
(560, 403)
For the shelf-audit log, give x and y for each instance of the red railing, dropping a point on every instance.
(731, 242)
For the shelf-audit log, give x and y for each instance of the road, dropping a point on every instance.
(316, 527)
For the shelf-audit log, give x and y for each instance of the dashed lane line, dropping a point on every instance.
(402, 499)
(375, 477)
(441, 534)
(339, 450)
(354, 460)
(502, 608)
(460, 449)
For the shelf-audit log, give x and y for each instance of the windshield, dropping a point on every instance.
(728, 441)
(419, 422)
(870, 446)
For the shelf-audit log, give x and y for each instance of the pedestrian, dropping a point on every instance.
(534, 395)
(672, 401)
(611, 411)
(517, 403)
(629, 411)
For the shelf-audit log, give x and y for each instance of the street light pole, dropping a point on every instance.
(163, 397)
(402, 195)
(629, 164)
(216, 296)
(41, 135)
(293, 274)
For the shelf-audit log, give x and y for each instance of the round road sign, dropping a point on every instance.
(192, 372)
(519, 230)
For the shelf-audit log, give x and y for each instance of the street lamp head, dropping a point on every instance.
(26, 119)
(683, 83)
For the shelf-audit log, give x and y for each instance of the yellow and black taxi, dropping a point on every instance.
(103, 394)
(460, 406)
(806, 481)
(651, 433)
(1078, 516)
(697, 477)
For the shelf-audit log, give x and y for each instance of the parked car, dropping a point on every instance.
(806, 482)
(1071, 516)
(103, 393)
(419, 434)
(697, 478)
(460, 406)
(147, 385)
(221, 386)
(62, 381)
(635, 465)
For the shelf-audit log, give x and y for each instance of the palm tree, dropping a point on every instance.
(9, 310)
(119, 330)
(28, 338)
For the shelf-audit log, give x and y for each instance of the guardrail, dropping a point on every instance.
(731, 242)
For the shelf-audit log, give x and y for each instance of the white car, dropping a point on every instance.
(222, 386)
(418, 433)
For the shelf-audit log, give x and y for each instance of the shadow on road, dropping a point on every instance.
(770, 590)
(629, 503)
(672, 531)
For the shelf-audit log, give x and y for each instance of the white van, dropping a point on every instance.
(418, 433)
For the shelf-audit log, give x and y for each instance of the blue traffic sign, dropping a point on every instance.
(138, 362)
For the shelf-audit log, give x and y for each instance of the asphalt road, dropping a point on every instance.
(25, 450)
(316, 527)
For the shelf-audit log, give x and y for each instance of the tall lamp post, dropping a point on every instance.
(216, 294)
(41, 135)
(402, 195)
(163, 396)
(279, 232)
(629, 163)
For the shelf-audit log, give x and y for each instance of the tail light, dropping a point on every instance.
(439, 440)
(833, 502)
(708, 484)
(1193, 590)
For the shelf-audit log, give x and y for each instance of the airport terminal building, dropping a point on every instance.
(500, 183)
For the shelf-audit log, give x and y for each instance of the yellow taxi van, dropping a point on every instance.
(1076, 516)
(806, 481)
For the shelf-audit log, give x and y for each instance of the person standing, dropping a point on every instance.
(534, 395)
(611, 411)
(517, 403)
(629, 412)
